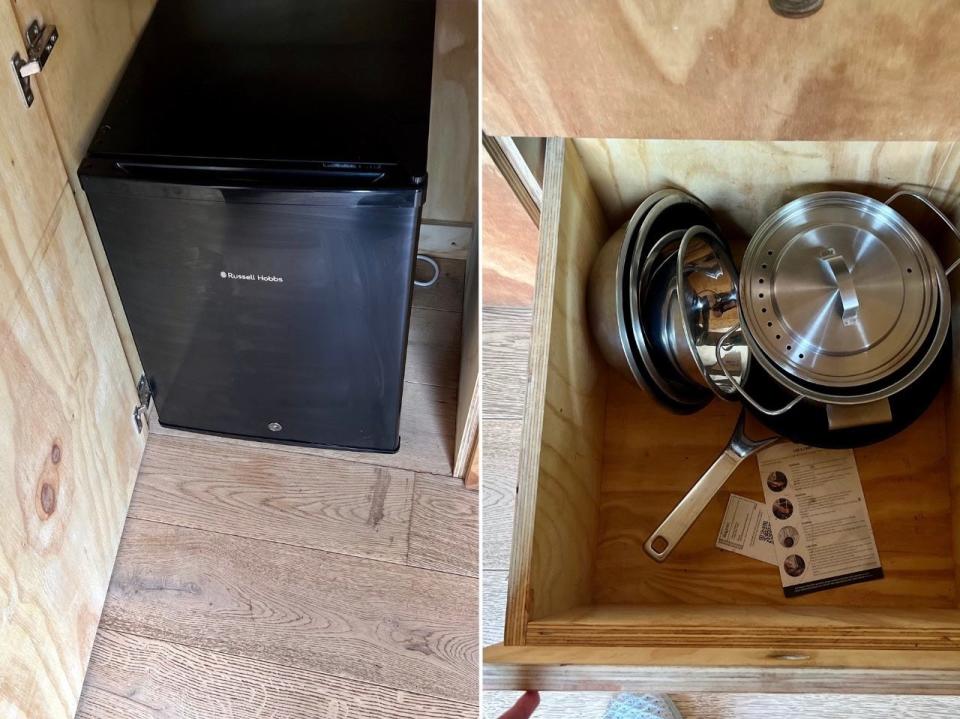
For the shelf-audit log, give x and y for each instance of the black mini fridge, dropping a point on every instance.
(257, 182)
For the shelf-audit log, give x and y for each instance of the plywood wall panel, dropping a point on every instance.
(452, 157)
(745, 181)
(725, 69)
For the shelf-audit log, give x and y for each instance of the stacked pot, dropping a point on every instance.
(833, 332)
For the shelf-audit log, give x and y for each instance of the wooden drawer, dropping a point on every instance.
(602, 464)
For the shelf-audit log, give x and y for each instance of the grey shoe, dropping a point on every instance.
(642, 706)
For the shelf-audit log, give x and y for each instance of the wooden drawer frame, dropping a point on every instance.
(555, 639)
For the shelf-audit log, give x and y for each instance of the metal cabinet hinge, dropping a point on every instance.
(144, 395)
(40, 42)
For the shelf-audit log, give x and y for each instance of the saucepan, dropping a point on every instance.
(834, 332)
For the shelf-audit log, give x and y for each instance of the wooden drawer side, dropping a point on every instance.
(555, 525)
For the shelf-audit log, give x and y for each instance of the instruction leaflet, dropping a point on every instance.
(821, 528)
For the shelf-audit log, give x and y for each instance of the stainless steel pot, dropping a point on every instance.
(842, 301)
(606, 307)
(843, 304)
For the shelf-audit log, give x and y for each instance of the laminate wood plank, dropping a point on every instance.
(494, 596)
(555, 519)
(452, 151)
(444, 527)
(256, 491)
(433, 348)
(592, 705)
(725, 174)
(132, 676)
(506, 360)
(96, 703)
(854, 70)
(447, 294)
(510, 242)
(395, 626)
(69, 454)
(501, 455)
(469, 386)
(839, 671)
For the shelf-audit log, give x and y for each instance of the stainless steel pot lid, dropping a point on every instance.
(838, 290)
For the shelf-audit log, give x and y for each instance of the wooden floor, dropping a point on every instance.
(260, 581)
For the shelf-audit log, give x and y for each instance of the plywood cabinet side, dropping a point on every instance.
(96, 41)
(558, 485)
(70, 453)
(468, 394)
(730, 69)
(452, 152)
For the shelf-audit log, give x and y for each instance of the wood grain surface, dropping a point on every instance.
(681, 669)
(744, 182)
(452, 155)
(506, 350)
(70, 454)
(501, 455)
(260, 492)
(445, 527)
(731, 69)
(445, 239)
(96, 41)
(395, 626)
(469, 386)
(433, 348)
(134, 678)
(494, 605)
(651, 460)
(510, 242)
(560, 458)
(447, 293)
(32, 177)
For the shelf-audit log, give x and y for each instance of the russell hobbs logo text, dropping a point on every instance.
(251, 278)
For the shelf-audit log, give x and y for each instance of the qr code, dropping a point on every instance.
(766, 532)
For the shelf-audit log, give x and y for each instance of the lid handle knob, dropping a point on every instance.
(850, 303)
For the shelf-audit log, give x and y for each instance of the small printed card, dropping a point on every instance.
(746, 530)
(821, 529)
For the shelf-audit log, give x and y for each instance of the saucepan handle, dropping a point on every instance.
(935, 210)
(743, 393)
(671, 531)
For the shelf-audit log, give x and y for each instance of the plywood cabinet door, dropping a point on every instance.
(69, 448)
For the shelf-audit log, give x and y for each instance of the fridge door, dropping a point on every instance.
(276, 313)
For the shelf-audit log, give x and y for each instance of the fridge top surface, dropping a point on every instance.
(341, 82)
